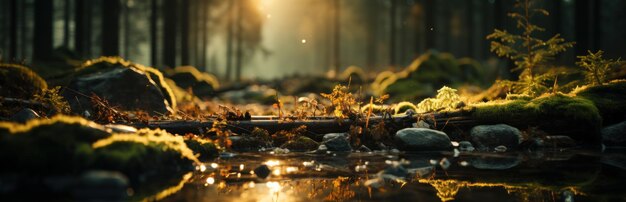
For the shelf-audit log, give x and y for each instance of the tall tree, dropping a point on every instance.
(169, 32)
(13, 29)
(184, 32)
(337, 37)
(110, 28)
(392, 32)
(239, 40)
(205, 33)
(430, 7)
(42, 39)
(66, 23)
(587, 26)
(229, 41)
(154, 17)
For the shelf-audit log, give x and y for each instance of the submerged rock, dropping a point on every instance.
(338, 143)
(614, 135)
(24, 115)
(496, 163)
(487, 137)
(301, 144)
(124, 85)
(101, 185)
(422, 139)
(245, 143)
(262, 171)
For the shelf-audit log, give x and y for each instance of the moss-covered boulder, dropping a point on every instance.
(301, 144)
(205, 148)
(69, 145)
(427, 73)
(125, 85)
(557, 114)
(17, 81)
(202, 84)
(610, 99)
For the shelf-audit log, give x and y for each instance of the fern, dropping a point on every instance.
(527, 51)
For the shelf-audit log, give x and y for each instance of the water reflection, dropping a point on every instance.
(425, 177)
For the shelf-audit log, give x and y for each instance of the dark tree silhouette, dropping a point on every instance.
(42, 40)
(169, 32)
(110, 28)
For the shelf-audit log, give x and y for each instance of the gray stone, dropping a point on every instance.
(487, 137)
(422, 139)
(127, 88)
(338, 143)
(334, 135)
(466, 146)
(101, 185)
(262, 171)
(614, 135)
(24, 115)
(496, 163)
(500, 148)
(244, 143)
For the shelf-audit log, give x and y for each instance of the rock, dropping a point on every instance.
(466, 146)
(422, 139)
(24, 115)
(101, 185)
(364, 148)
(334, 135)
(262, 171)
(201, 83)
(487, 137)
(301, 144)
(338, 144)
(614, 135)
(559, 141)
(17, 81)
(244, 143)
(125, 86)
(500, 148)
(395, 170)
(495, 163)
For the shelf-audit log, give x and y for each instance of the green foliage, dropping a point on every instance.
(596, 67)
(447, 98)
(526, 50)
(52, 98)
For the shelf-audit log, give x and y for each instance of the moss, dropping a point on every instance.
(205, 148)
(17, 81)
(202, 83)
(556, 111)
(403, 106)
(610, 99)
(356, 74)
(70, 145)
(301, 143)
(102, 63)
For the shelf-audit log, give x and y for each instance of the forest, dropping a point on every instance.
(312, 100)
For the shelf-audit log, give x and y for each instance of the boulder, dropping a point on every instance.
(422, 139)
(488, 137)
(201, 83)
(102, 185)
(24, 115)
(122, 84)
(466, 146)
(614, 135)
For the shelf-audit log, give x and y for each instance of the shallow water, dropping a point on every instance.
(566, 175)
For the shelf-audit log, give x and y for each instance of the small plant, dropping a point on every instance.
(526, 50)
(341, 100)
(220, 128)
(104, 112)
(447, 98)
(51, 97)
(596, 67)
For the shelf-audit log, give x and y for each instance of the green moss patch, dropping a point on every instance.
(17, 81)
(610, 99)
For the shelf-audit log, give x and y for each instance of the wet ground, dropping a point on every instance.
(549, 175)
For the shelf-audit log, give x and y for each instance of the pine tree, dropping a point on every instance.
(526, 50)
(596, 68)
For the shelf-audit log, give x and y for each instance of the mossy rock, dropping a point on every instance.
(557, 113)
(301, 144)
(70, 145)
(126, 85)
(610, 99)
(206, 149)
(354, 74)
(202, 83)
(17, 81)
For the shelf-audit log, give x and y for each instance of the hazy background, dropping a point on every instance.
(274, 38)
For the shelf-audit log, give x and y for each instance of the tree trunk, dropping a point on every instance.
(586, 23)
(13, 30)
(169, 32)
(205, 38)
(154, 17)
(79, 27)
(110, 28)
(337, 37)
(42, 39)
(66, 24)
(239, 41)
(430, 9)
(184, 33)
(229, 41)
(392, 33)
